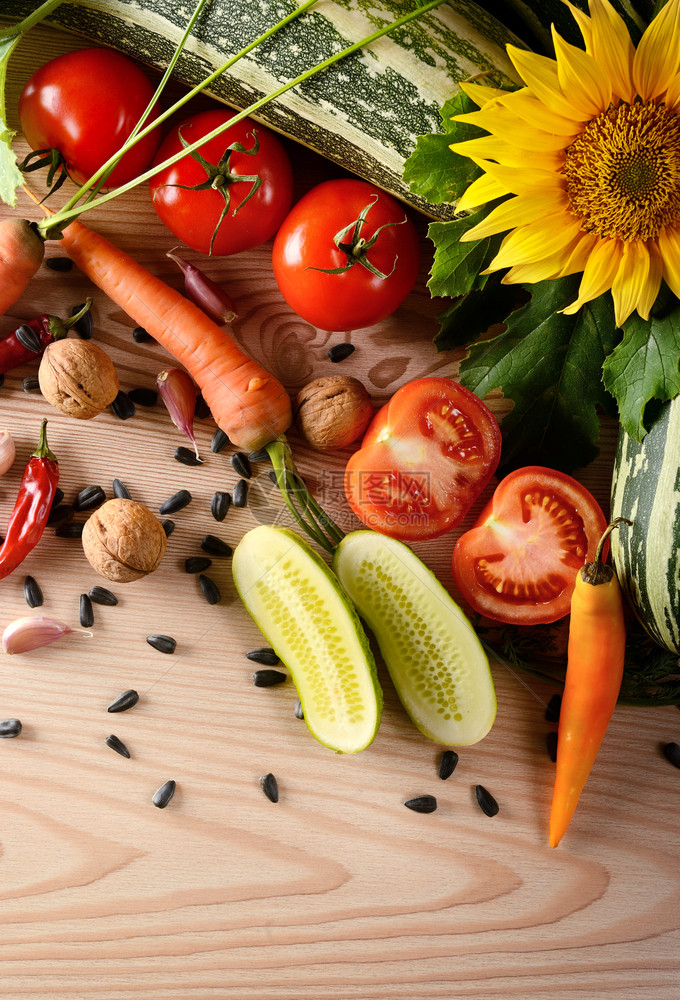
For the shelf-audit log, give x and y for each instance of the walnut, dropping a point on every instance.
(124, 541)
(78, 378)
(333, 411)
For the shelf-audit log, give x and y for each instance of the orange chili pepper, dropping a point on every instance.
(595, 658)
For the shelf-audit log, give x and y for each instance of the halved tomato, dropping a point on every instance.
(518, 564)
(424, 460)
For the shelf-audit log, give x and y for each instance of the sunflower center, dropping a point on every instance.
(623, 172)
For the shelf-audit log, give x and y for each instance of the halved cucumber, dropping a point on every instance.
(300, 608)
(436, 662)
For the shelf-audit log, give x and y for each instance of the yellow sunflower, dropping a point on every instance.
(589, 150)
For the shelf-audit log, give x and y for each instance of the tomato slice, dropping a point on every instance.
(425, 458)
(518, 564)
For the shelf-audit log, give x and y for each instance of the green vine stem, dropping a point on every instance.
(53, 225)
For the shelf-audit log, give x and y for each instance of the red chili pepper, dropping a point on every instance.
(31, 510)
(38, 333)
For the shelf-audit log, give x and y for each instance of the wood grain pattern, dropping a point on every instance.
(337, 891)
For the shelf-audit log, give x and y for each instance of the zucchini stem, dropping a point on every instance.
(310, 516)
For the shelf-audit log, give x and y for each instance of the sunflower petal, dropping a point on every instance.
(598, 274)
(651, 290)
(488, 147)
(587, 84)
(584, 25)
(540, 270)
(657, 57)
(540, 75)
(534, 242)
(611, 47)
(480, 94)
(583, 246)
(483, 189)
(669, 249)
(672, 95)
(517, 211)
(501, 122)
(523, 104)
(521, 180)
(631, 281)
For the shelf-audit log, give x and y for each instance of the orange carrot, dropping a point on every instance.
(248, 403)
(21, 254)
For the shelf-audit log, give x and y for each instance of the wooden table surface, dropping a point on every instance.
(337, 891)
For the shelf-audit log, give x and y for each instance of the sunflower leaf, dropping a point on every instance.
(433, 170)
(644, 367)
(471, 315)
(550, 366)
(456, 266)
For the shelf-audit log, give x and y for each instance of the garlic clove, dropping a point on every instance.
(178, 392)
(24, 634)
(8, 452)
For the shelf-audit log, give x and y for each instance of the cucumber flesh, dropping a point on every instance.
(300, 608)
(437, 664)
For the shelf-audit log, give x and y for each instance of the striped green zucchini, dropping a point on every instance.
(364, 113)
(646, 490)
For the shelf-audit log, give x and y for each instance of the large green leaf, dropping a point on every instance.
(456, 266)
(550, 365)
(471, 315)
(644, 366)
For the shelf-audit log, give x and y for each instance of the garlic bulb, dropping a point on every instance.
(8, 452)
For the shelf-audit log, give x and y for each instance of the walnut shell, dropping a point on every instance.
(78, 378)
(333, 411)
(124, 541)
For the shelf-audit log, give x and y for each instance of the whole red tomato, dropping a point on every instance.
(85, 104)
(240, 195)
(425, 458)
(518, 564)
(346, 256)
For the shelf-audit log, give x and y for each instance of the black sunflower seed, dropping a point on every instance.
(128, 699)
(211, 591)
(31, 384)
(72, 529)
(117, 745)
(164, 794)
(274, 478)
(140, 336)
(299, 711)
(270, 787)
(241, 465)
(89, 497)
(123, 407)
(62, 264)
(143, 397)
(32, 592)
(187, 456)
(201, 409)
(340, 352)
(221, 502)
(262, 455)
(59, 514)
(487, 802)
(265, 655)
(176, 502)
(2, 379)
(551, 745)
(120, 490)
(86, 611)
(268, 678)
(196, 564)
(28, 338)
(168, 526)
(214, 546)
(84, 327)
(422, 804)
(58, 496)
(100, 595)
(671, 752)
(163, 643)
(447, 764)
(552, 709)
(240, 496)
(219, 440)
(9, 728)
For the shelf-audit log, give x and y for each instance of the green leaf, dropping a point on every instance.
(644, 366)
(456, 265)
(550, 366)
(473, 314)
(434, 171)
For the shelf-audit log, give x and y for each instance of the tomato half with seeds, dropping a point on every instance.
(425, 458)
(518, 564)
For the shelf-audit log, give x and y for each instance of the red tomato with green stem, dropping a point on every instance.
(518, 564)
(85, 104)
(425, 458)
(346, 256)
(232, 193)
